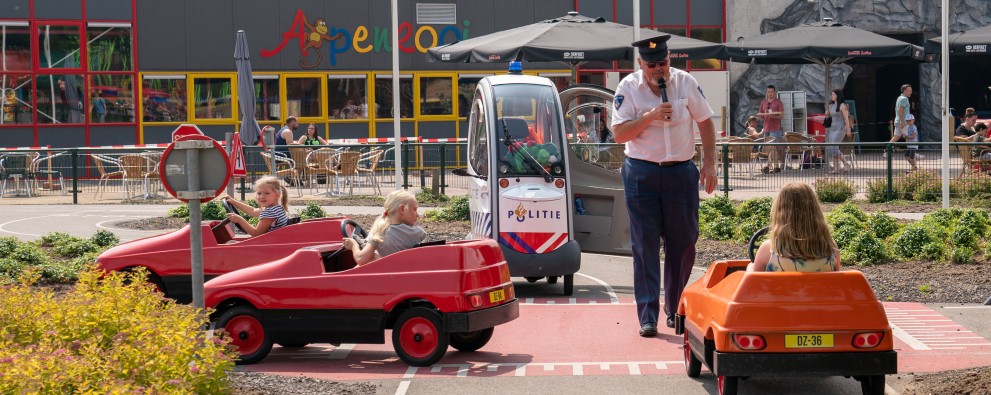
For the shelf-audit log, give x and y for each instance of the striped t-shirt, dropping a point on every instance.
(277, 212)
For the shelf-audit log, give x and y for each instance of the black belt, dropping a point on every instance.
(663, 164)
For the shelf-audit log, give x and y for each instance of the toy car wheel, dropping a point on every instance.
(552, 279)
(293, 345)
(532, 280)
(247, 332)
(471, 341)
(872, 385)
(569, 284)
(693, 366)
(419, 337)
(727, 385)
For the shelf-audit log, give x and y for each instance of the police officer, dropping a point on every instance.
(659, 177)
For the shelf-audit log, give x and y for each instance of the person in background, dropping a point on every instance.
(771, 110)
(395, 230)
(911, 134)
(902, 107)
(838, 131)
(751, 131)
(311, 137)
(966, 128)
(659, 177)
(285, 136)
(799, 239)
(99, 107)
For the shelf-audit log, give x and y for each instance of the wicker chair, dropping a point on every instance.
(41, 167)
(298, 155)
(321, 161)
(16, 167)
(967, 156)
(741, 154)
(797, 152)
(102, 163)
(286, 168)
(348, 168)
(373, 158)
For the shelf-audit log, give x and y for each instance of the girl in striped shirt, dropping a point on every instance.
(273, 203)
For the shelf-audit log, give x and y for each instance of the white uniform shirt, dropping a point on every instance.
(663, 140)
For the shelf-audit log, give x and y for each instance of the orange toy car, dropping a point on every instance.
(743, 324)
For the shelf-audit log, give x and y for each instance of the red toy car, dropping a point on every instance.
(430, 296)
(743, 324)
(167, 256)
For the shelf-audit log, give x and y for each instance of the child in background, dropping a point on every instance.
(912, 136)
(273, 203)
(394, 231)
(799, 238)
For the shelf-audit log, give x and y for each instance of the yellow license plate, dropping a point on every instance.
(497, 296)
(809, 340)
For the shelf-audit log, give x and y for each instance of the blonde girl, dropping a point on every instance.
(272, 211)
(395, 230)
(799, 238)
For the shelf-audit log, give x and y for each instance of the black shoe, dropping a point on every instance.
(648, 330)
(670, 321)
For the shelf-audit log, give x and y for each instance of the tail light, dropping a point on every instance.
(559, 183)
(749, 342)
(868, 339)
(504, 273)
(475, 300)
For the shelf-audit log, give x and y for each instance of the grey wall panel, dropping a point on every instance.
(16, 137)
(348, 131)
(262, 23)
(463, 129)
(162, 35)
(671, 13)
(112, 135)
(158, 134)
(62, 137)
(437, 129)
(379, 17)
(385, 130)
(547, 9)
(596, 8)
(344, 16)
(58, 9)
(15, 9)
(108, 9)
(707, 12)
(624, 12)
(209, 37)
(507, 14)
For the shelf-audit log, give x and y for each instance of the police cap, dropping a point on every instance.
(653, 49)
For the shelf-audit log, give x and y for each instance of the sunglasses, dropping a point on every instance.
(651, 65)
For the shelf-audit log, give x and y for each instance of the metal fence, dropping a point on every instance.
(103, 175)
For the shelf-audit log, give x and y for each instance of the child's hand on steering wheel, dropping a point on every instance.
(350, 244)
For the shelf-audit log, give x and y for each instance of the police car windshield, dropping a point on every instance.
(530, 115)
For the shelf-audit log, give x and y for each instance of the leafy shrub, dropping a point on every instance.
(8, 245)
(933, 252)
(213, 211)
(456, 210)
(882, 225)
(708, 214)
(910, 241)
(976, 220)
(930, 191)
(54, 238)
(757, 207)
(104, 238)
(844, 220)
(877, 191)
(29, 253)
(721, 204)
(834, 190)
(428, 197)
(962, 255)
(845, 236)
(905, 187)
(11, 269)
(942, 218)
(311, 211)
(963, 237)
(849, 208)
(749, 227)
(868, 250)
(75, 248)
(180, 211)
(153, 346)
(972, 186)
(723, 228)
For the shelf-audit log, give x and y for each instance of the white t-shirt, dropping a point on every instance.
(663, 140)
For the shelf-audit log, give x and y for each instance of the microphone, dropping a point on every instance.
(663, 85)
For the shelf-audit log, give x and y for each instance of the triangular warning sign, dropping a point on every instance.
(237, 158)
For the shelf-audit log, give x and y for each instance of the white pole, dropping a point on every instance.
(395, 96)
(945, 101)
(636, 32)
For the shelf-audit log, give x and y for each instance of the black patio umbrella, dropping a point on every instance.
(971, 42)
(573, 39)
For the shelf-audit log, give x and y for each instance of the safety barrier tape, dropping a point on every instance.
(24, 148)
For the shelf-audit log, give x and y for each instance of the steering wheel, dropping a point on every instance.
(752, 246)
(349, 228)
(229, 208)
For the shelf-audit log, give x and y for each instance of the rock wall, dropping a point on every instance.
(883, 17)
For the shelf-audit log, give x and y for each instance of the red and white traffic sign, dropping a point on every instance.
(214, 168)
(237, 157)
(186, 129)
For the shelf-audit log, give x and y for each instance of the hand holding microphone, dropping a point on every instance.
(665, 107)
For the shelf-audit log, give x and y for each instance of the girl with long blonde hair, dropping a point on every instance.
(799, 239)
(272, 211)
(395, 230)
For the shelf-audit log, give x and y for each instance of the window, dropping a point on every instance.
(435, 96)
(303, 97)
(212, 98)
(560, 80)
(15, 39)
(714, 35)
(164, 98)
(59, 47)
(466, 91)
(109, 47)
(61, 98)
(111, 98)
(15, 102)
(347, 97)
(267, 98)
(478, 155)
(530, 115)
(383, 96)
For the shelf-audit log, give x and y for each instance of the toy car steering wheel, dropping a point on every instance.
(230, 210)
(752, 246)
(349, 228)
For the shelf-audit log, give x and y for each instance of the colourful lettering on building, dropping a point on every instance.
(312, 37)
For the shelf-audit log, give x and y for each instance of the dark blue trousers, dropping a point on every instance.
(663, 203)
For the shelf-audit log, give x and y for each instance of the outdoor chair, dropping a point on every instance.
(802, 146)
(372, 158)
(286, 167)
(41, 167)
(16, 167)
(967, 156)
(108, 168)
(849, 151)
(348, 168)
(138, 169)
(298, 155)
(321, 161)
(741, 154)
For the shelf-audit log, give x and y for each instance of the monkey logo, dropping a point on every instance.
(314, 39)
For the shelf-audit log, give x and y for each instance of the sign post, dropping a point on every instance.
(197, 175)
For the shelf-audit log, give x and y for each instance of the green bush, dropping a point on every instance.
(456, 210)
(905, 187)
(723, 228)
(428, 197)
(749, 227)
(30, 254)
(8, 245)
(933, 252)
(11, 269)
(75, 248)
(877, 191)
(311, 211)
(54, 238)
(845, 236)
(976, 220)
(882, 225)
(930, 191)
(972, 186)
(849, 208)
(844, 220)
(180, 211)
(834, 190)
(213, 211)
(104, 238)
(757, 207)
(963, 237)
(721, 204)
(868, 250)
(910, 241)
(962, 255)
(708, 214)
(108, 336)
